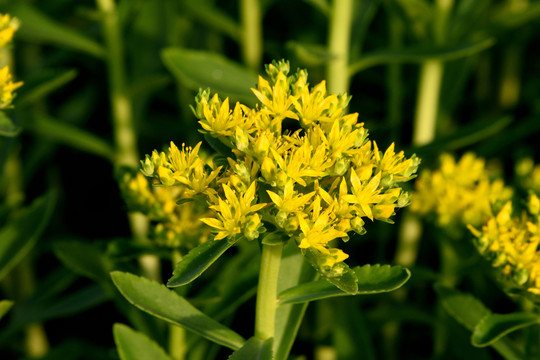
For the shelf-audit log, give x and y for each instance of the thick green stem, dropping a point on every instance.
(265, 313)
(177, 334)
(428, 102)
(250, 14)
(122, 118)
(338, 46)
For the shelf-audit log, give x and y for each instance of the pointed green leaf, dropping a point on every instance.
(254, 349)
(340, 275)
(165, 304)
(133, 345)
(213, 17)
(84, 259)
(44, 83)
(465, 308)
(201, 69)
(72, 136)
(37, 26)
(310, 54)
(469, 311)
(467, 135)
(197, 261)
(372, 279)
(21, 234)
(8, 126)
(5, 305)
(493, 327)
(418, 55)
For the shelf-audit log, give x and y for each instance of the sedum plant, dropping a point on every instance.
(466, 193)
(294, 168)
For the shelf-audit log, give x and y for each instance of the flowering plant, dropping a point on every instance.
(295, 168)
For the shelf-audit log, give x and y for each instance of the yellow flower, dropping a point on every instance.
(220, 120)
(313, 106)
(7, 87)
(459, 191)
(235, 214)
(8, 26)
(317, 228)
(321, 177)
(511, 244)
(276, 98)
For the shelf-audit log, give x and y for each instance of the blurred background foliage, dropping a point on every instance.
(105, 83)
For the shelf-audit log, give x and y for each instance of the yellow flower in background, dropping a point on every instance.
(8, 26)
(511, 244)
(176, 217)
(7, 88)
(459, 192)
(313, 183)
(528, 175)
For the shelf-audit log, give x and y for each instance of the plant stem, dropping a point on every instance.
(177, 334)
(338, 46)
(122, 118)
(428, 102)
(250, 14)
(265, 312)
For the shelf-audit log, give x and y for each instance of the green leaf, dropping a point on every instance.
(133, 345)
(165, 304)
(469, 311)
(72, 136)
(213, 17)
(5, 305)
(197, 261)
(21, 234)
(36, 26)
(44, 83)
(38, 310)
(310, 54)
(254, 349)
(494, 326)
(465, 308)
(467, 135)
(275, 238)
(202, 69)
(8, 126)
(418, 55)
(372, 279)
(340, 275)
(84, 259)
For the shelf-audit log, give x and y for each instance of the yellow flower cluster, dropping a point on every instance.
(313, 183)
(459, 192)
(8, 26)
(467, 193)
(175, 217)
(511, 244)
